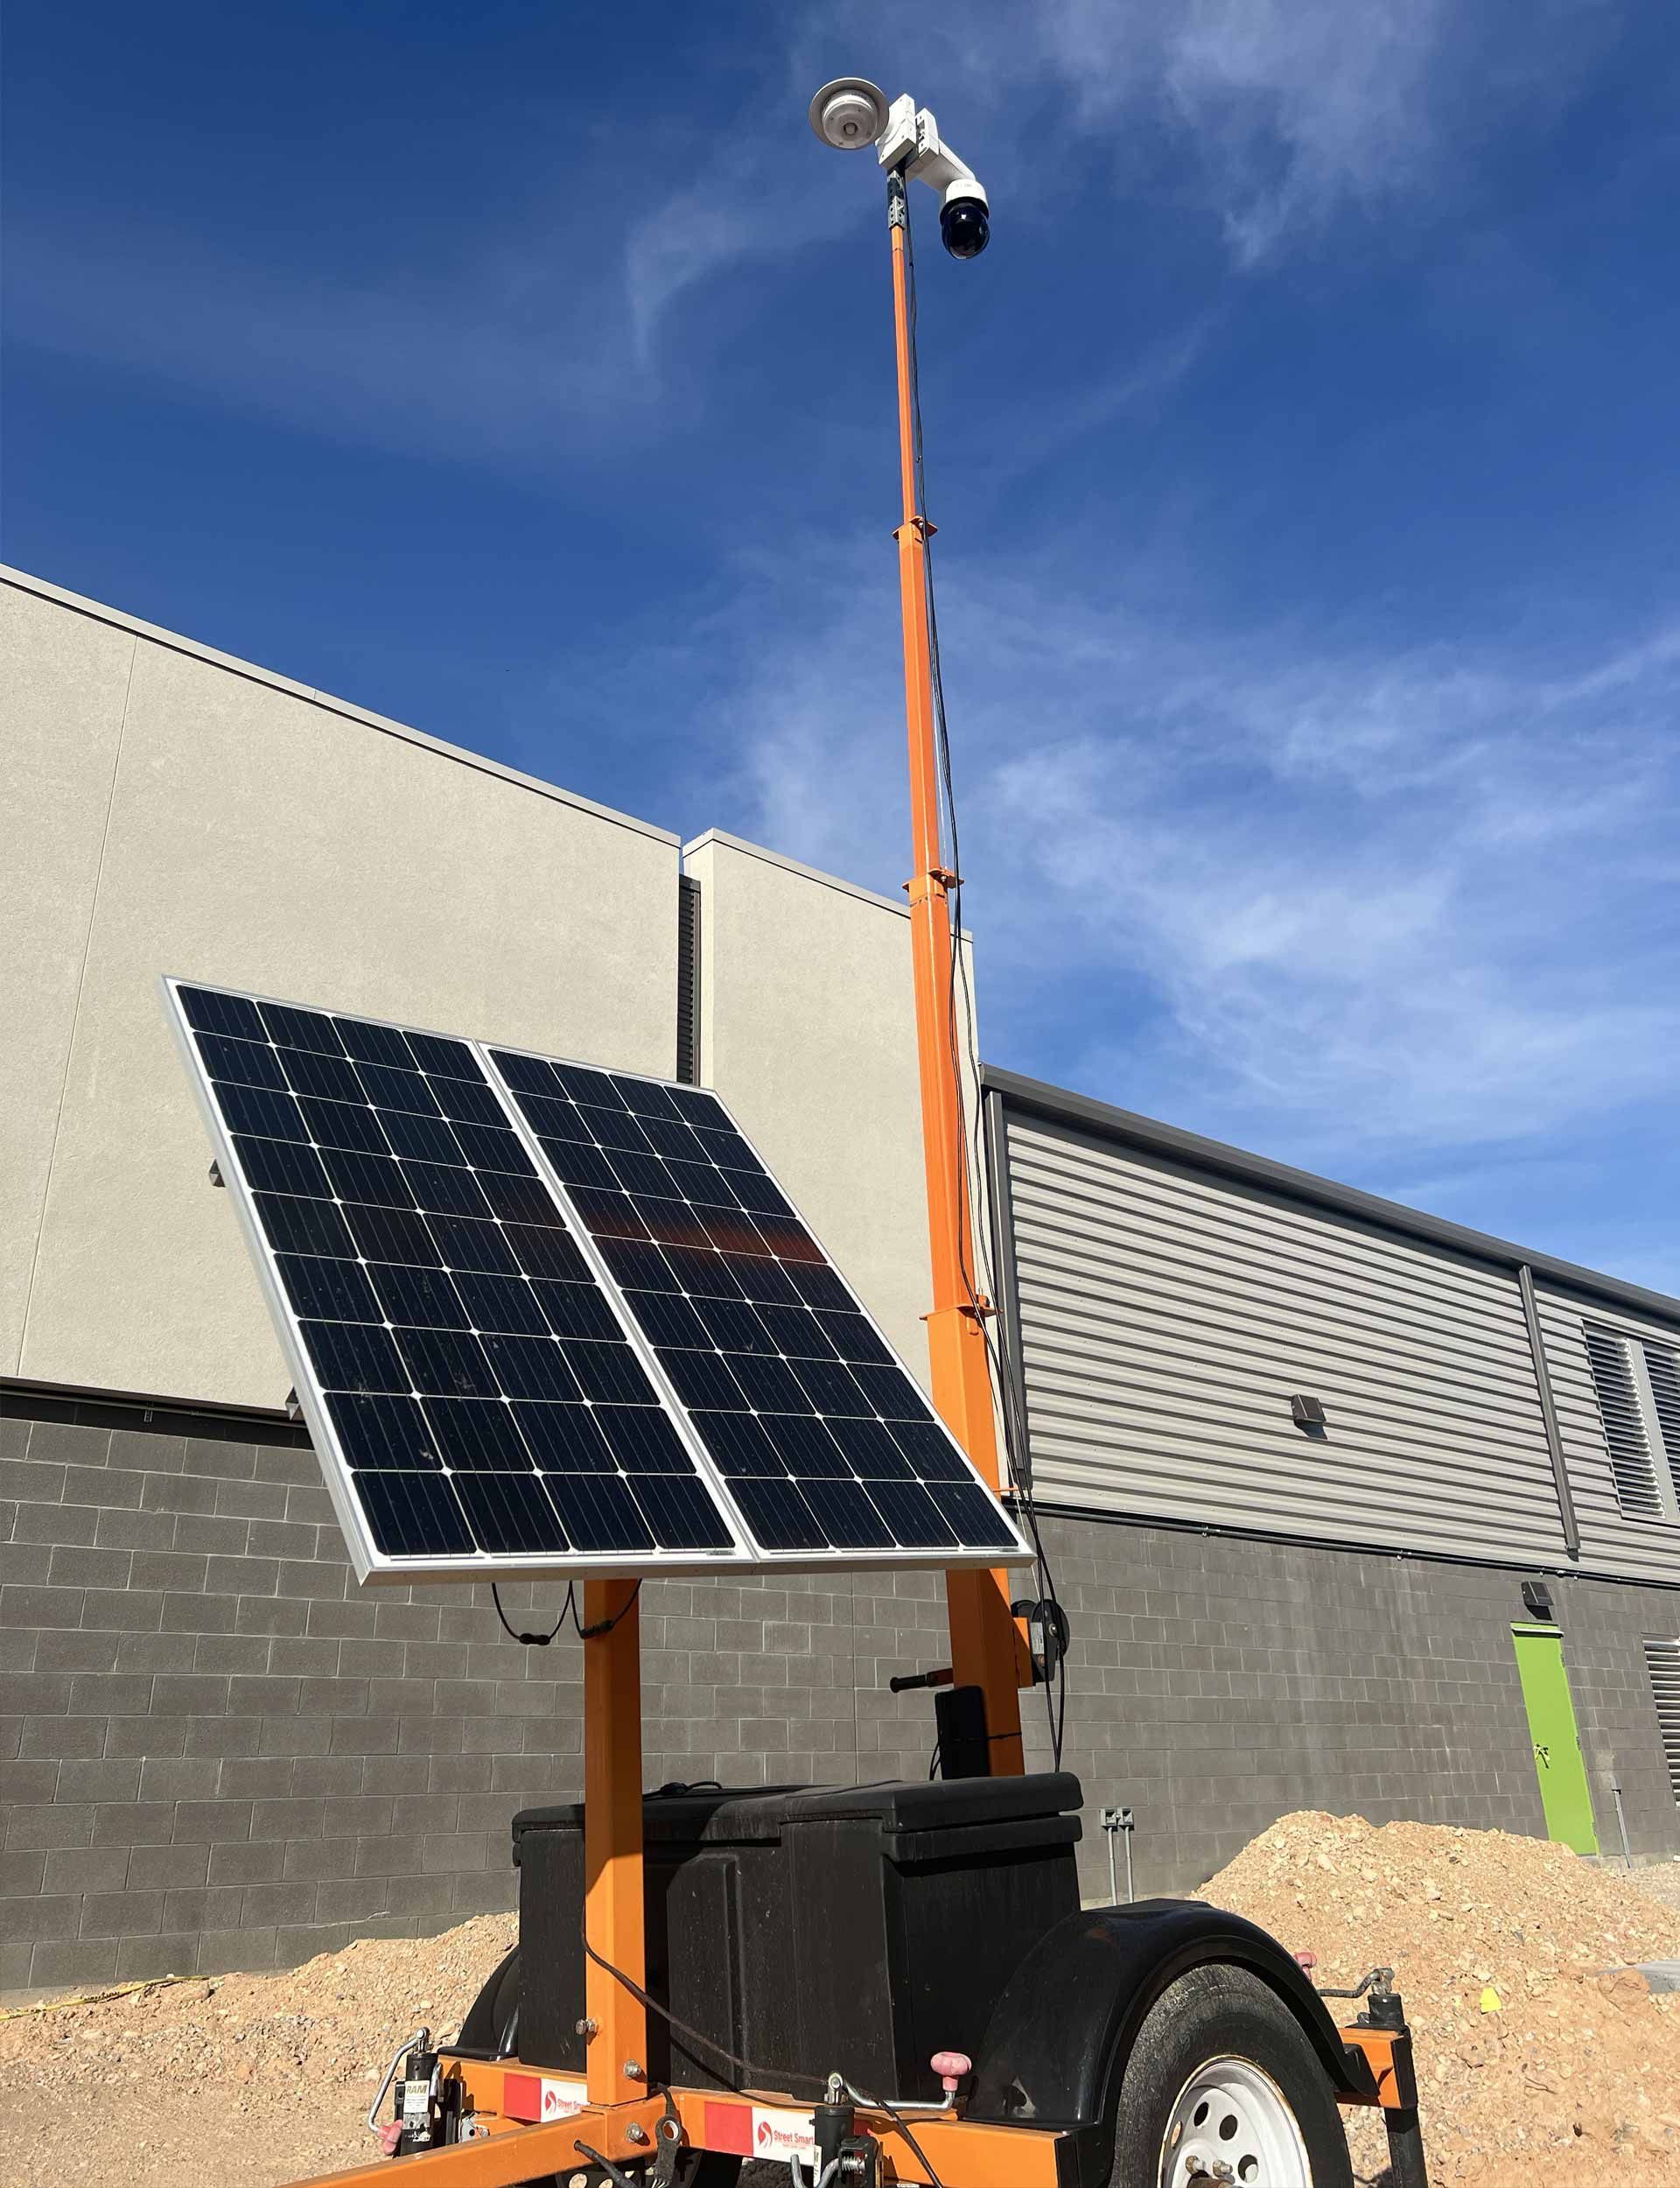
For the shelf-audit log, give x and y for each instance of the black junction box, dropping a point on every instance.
(810, 1930)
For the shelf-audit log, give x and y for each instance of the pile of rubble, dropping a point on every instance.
(233, 2081)
(1542, 2056)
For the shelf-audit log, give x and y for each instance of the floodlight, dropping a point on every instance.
(849, 113)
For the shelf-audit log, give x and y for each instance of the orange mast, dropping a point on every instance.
(987, 1649)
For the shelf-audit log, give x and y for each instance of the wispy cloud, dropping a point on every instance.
(1288, 111)
(755, 200)
(1366, 911)
(475, 357)
(1274, 116)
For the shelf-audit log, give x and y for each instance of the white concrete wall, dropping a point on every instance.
(64, 684)
(167, 810)
(807, 1030)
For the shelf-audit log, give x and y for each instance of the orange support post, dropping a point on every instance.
(986, 1651)
(613, 1883)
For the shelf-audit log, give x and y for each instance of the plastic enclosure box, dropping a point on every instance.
(810, 1928)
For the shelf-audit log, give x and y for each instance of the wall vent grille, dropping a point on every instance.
(688, 980)
(1662, 1662)
(1616, 1379)
(1662, 1366)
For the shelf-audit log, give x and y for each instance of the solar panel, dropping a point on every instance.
(544, 1318)
(823, 1435)
(452, 1343)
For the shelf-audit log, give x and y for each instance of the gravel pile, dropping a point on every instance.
(1538, 2062)
(245, 2081)
(234, 2081)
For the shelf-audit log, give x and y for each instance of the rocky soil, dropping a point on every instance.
(1571, 2079)
(1538, 2062)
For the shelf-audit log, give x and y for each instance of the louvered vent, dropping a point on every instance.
(1662, 1662)
(1663, 1365)
(688, 980)
(1624, 1427)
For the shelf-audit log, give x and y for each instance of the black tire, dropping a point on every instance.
(694, 2169)
(1218, 2012)
(710, 2169)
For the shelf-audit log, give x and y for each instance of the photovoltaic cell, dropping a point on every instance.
(483, 1393)
(823, 1435)
(627, 1351)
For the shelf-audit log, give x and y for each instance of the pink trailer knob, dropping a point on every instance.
(950, 2067)
(1306, 1959)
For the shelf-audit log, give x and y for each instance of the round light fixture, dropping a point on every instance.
(849, 114)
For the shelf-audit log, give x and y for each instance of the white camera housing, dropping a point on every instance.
(966, 189)
(850, 113)
(911, 140)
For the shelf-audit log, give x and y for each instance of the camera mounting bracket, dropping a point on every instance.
(910, 141)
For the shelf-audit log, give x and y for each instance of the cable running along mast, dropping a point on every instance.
(988, 1649)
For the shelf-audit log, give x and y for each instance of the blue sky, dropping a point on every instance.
(1304, 453)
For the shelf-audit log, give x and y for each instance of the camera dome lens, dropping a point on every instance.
(965, 228)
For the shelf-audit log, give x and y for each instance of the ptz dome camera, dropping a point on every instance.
(965, 219)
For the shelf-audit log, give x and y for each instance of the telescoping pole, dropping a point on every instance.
(985, 1645)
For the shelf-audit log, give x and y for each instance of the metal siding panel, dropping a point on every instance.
(1212, 1158)
(1611, 1541)
(1166, 1314)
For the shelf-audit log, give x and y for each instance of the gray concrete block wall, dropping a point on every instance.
(216, 1752)
(1218, 1682)
(1605, 1630)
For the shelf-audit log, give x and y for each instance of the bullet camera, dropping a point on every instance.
(965, 219)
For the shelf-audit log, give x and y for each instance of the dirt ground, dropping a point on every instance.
(246, 2081)
(1538, 2062)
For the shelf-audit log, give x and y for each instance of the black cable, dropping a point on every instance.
(604, 1625)
(568, 1610)
(681, 2027)
(879, 2104)
(534, 1640)
(767, 2078)
(618, 2179)
(1055, 1697)
(1056, 1684)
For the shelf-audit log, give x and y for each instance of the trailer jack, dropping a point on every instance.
(1383, 2039)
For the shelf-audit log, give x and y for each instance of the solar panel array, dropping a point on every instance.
(483, 1392)
(626, 1353)
(824, 1439)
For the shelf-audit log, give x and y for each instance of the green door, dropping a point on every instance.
(1558, 1762)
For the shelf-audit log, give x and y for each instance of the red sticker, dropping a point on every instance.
(521, 2096)
(729, 2128)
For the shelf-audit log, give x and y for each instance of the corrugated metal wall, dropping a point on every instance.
(1166, 1314)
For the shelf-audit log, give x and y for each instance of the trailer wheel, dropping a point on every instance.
(1223, 2085)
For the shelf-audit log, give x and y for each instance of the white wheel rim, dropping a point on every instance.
(1232, 2122)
